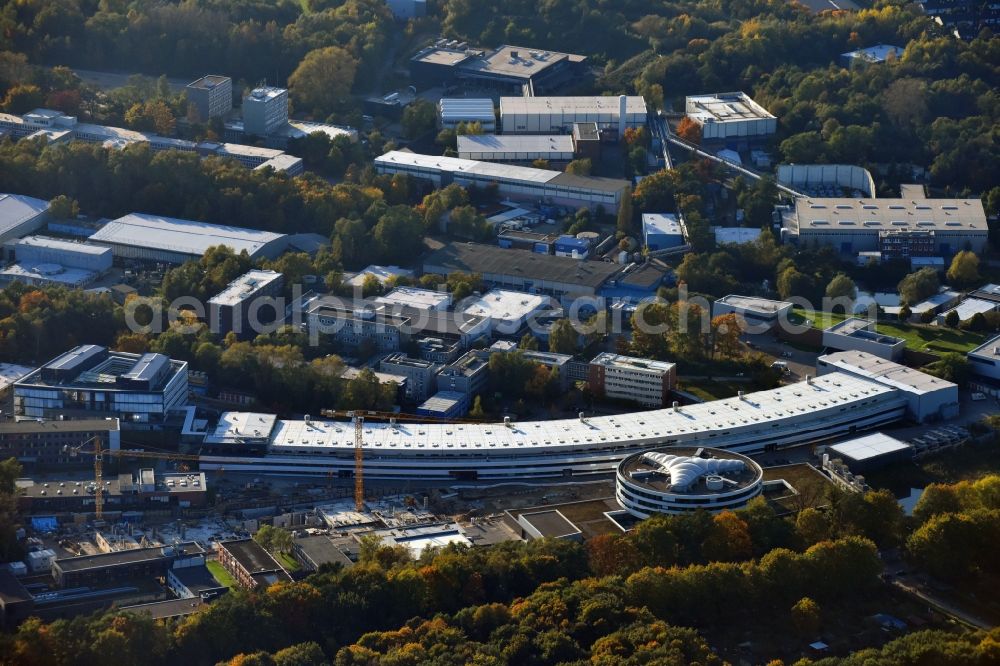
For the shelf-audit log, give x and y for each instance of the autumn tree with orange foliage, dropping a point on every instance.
(689, 130)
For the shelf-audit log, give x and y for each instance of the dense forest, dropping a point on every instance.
(655, 595)
(934, 108)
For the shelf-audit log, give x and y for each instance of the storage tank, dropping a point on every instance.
(713, 482)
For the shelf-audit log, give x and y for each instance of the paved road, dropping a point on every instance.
(914, 588)
(112, 80)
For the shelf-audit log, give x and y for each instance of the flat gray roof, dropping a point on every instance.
(488, 259)
(875, 215)
(515, 143)
(181, 236)
(122, 557)
(16, 209)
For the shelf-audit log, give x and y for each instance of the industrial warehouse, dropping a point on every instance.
(940, 227)
(174, 241)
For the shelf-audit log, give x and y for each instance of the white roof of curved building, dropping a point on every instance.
(794, 402)
(685, 471)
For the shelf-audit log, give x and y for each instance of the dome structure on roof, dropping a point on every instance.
(685, 471)
(679, 479)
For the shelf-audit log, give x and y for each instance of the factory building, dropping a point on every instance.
(729, 116)
(518, 270)
(453, 111)
(984, 360)
(834, 404)
(211, 96)
(247, 306)
(43, 443)
(265, 110)
(639, 380)
(757, 312)
(516, 148)
(144, 237)
(40, 260)
(558, 115)
(511, 69)
(21, 215)
(860, 335)
(518, 183)
(92, 381)
(865, 225)
(928, 398)
(676, 480)
(663, 231)
(250, 565)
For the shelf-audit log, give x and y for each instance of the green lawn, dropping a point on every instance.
(220, 574)
(287, 561)
(709, 390)
(919, 337)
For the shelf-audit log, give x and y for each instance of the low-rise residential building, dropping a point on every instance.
(629, 378)
(861, 335)
(250, 565)
(755, 311)
(247, 306)
(928, 398)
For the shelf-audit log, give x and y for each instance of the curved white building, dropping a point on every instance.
(684, 478)
(817, 409)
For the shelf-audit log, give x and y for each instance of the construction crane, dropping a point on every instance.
(358, 416)
(99, 454)
(359, 461)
